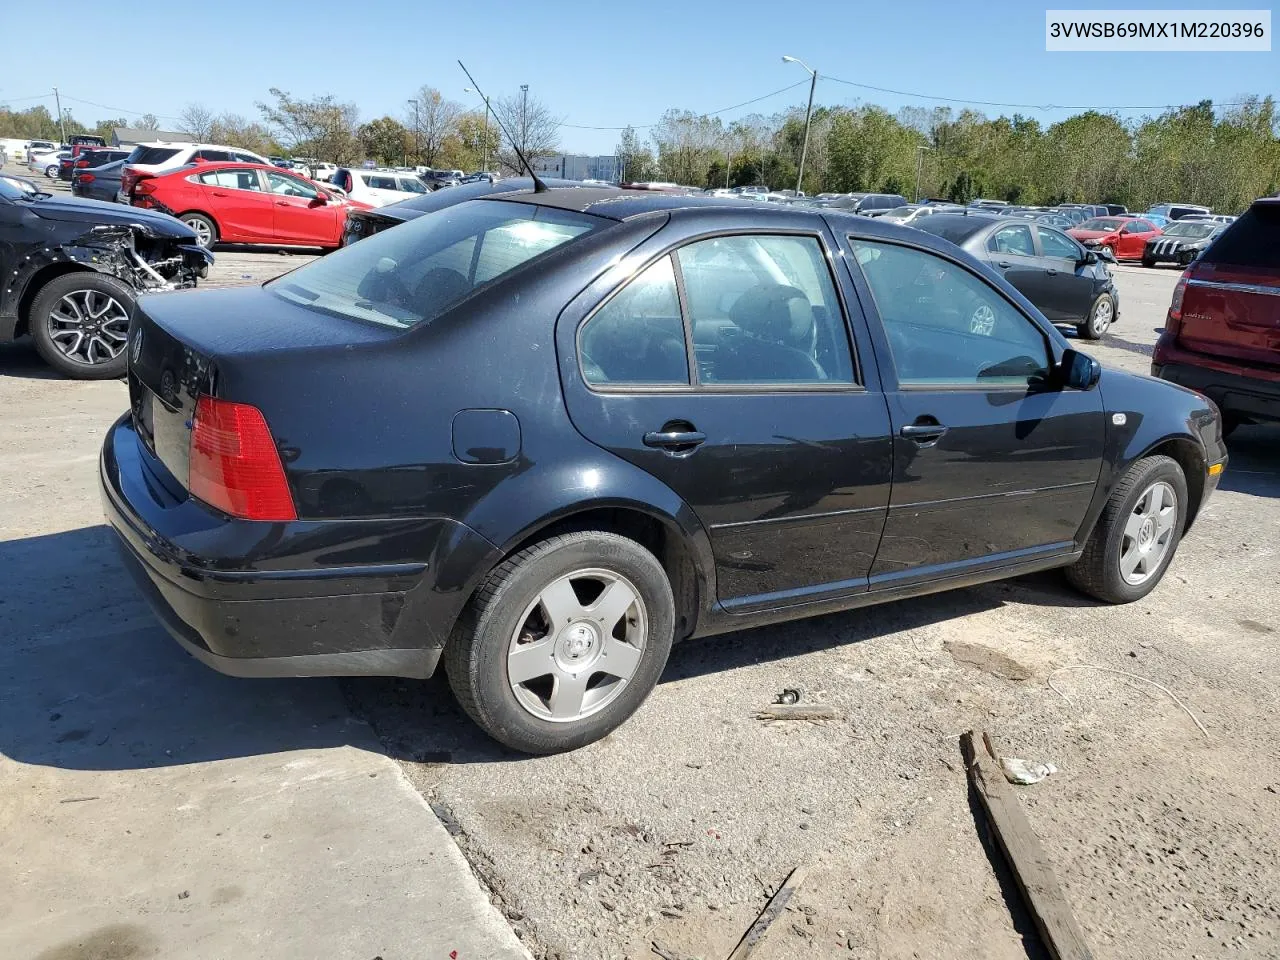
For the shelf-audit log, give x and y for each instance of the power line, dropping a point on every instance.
(1018, 106)
(712, 113)
(135, 113)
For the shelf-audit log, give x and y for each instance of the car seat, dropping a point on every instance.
(777, 344)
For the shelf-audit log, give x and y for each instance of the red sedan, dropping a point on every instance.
(1121, 237)
(247, 203)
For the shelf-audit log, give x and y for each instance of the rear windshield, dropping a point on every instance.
(416, 272)
(1252, 241)
(151, 155)
(1101, 223)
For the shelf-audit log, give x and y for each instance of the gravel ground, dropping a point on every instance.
(677, 827)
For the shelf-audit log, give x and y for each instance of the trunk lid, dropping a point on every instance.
(1231, 307)
(221, 343)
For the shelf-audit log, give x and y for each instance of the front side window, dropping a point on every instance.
(946, 326)
(1136, 226)
(288, 186)
(415, 273)
(1055, 244)
(763, 310)
(637, 337)
(1013, 240)
(232, 179)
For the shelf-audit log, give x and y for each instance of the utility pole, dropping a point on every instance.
(417, 132)
(920, 151)
(484, 145)
(808, 115)
(62, 121)
(728, 162)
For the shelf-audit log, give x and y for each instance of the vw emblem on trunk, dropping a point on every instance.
(135, 349)
(168, 387)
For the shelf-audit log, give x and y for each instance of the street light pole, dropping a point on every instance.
(417, 133)
(524, 118)
(920, 152)
(808, 116)
(62, 120)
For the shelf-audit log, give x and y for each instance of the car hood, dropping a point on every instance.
(80, 210)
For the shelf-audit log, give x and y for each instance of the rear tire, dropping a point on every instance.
(51, 172)
(1229, 425)
(533, 606)
(1123, 532)
(102, 306)
(1101, 316)
(206, 230)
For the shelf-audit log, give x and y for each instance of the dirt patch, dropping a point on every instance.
(987, 660)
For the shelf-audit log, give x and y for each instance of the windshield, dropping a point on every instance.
(1192, 231)
(1101, 223)
(11, 191)
(413, 274)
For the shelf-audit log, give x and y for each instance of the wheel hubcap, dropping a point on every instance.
(202, 231)
(1148, 533)
(577, 645)
(1102, 316)
(89, 327)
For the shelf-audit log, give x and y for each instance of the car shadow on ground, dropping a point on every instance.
(19, 359)
(1254, 464)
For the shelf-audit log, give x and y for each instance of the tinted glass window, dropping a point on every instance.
(1014, 240)
(410, 185)
(232, 179)
(1137, 226)
(1055, 244)
(955, 228)
(637, 337)
(946, 325)
(244, 157)
(764, 311)
(381, 183)
(290, 186)
(214, 156)
(1190, 229)
(1252, 241)
(414, 273)
(151, 155)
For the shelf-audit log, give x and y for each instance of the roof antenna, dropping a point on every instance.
(538, 185)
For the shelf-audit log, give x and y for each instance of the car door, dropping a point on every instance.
(1068, 291)
(1133, 238)
(238, 203)
(299, 214)
(773, 435)
(382, 187)
(994, 465)
(1011, 250)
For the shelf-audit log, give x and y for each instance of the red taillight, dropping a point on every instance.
(82, 163)
(235, 466)
(144, 186)
(86, 178)
(1173, 322)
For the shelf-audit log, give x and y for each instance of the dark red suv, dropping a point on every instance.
(1222, 335)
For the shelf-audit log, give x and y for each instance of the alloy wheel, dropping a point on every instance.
(1107, 251)
(204, 235)
(577, 645)
(1148, 533)
(89, 326)
(1102, 314)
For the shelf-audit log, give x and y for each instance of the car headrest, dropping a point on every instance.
(775, 312)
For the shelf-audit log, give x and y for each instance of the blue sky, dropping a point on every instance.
(604, 64)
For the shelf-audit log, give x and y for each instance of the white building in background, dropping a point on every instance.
(576, 166)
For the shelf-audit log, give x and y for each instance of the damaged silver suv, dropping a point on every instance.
(71, 269)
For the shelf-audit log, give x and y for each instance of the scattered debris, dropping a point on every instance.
(788, 696)
(987, 660)
(1132, 676)
(78, 799)
(667, 954)
(814, 712)
(1048, 906)
(184, 894)
(776, 905)
(1025, 772)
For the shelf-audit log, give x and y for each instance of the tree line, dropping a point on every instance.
(1222, 156)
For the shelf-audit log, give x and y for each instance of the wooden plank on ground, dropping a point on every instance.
(772, 910)
(1031, 867)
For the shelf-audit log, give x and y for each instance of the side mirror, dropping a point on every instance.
(1078, 371)
(320, 199)
(1089, 257)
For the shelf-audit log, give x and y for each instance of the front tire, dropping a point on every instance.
(80, 325)
(1101, 316)
(1137, 535)
(563, 642)
(1148, 262)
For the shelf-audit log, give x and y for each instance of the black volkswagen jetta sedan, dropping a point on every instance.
(1070, 285)
(543, 435)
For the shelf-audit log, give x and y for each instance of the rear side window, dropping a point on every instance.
(1252, 241)
(232, 179)
(416, 272)
(410, 185)
(382, 183)
(214, 156)
(637, 338)
(152, 155)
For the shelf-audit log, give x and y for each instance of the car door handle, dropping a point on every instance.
(675, 440)
(221, 193)
(923, 432)
(1051, 272)
(1003, 264)
(283, 203)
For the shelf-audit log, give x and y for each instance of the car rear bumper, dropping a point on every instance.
(308, 598)
(1236, 392)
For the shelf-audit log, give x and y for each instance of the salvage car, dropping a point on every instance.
(1220, 335)
(1121, 238)
(72, 270)
(247, 203)
(99, 183)
(538, 436)
(1180, 242)
(1069, 285)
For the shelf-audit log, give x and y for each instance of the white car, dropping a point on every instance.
(150, 159)
(47, 162)
(322, 171)
(379, 187)
(912, 212)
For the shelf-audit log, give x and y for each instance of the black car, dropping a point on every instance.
(540, 436)
(72, 269)
(98, 183)
(88, 160)
(1180, 242)
(365, 223)
(1070, 285)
